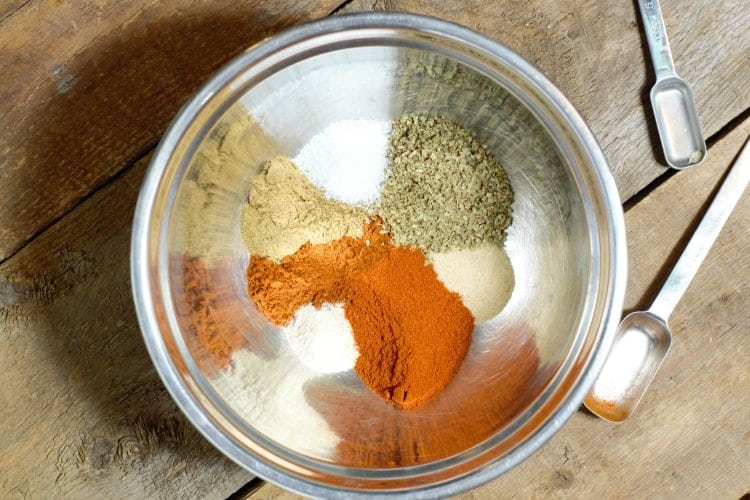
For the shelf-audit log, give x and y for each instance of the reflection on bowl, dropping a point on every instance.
(528, 368)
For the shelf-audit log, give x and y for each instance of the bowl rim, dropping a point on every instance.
(142, 250)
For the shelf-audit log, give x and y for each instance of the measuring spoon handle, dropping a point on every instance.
(708, 230)
(656, 36)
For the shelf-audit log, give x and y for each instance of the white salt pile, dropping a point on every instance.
(347, 160)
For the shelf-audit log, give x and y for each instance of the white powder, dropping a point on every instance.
(269, 395)
(482, 276)
(347, 160)
(322, 338)
(627, 359)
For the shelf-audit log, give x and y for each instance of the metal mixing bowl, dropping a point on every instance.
(328, 435)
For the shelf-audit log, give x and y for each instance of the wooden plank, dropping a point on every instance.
(10, 7)
(87, 87)
(595, 53)
(82, 409)
(689, 438)
(76, 110)
(84, 412)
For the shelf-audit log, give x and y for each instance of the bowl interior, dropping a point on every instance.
(329, 427)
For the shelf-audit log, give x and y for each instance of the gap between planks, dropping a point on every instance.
(102, 185)
(726, 149)
(14, 10)
(254, 486)
(533, 32)
(627, 204)
(128, 164)
(713, 139)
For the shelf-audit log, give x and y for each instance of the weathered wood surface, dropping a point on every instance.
(690, 436)
(595, 53)
(8, 7)
(86, 88)
(82, 410)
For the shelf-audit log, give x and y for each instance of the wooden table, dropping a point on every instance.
(87, 89)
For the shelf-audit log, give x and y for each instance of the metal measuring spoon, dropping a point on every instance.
(643, 338)
(671, 97)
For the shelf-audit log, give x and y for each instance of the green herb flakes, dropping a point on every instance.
(443, 189)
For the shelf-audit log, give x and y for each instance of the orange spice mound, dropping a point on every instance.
(207, 310)
(411, 331)
(508, 377)
(314, 273)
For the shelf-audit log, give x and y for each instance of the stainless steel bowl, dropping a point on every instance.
(327, 435)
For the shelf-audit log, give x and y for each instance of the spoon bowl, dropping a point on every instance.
(643, 338)
(671, 97)
(677, 121)
(641, 344)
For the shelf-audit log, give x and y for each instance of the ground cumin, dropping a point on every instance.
(411, 331)
(313, 274)
(285, 210)
(495, 384)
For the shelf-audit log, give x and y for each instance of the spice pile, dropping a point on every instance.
(386, 272)
(373, 436)
(444, 190)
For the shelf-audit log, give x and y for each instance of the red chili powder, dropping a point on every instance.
(411, 331)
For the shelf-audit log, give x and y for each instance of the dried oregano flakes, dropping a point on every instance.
(443, 190)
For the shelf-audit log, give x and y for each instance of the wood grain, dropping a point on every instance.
(88, 87)
(86, 90)
(78, 110)
(82, 409)
(10, 7)
(689, 438)
(595, 53)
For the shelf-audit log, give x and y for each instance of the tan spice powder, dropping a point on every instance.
(236, 145)
(285, 210)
